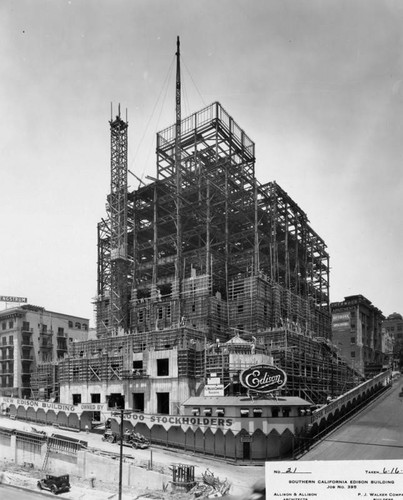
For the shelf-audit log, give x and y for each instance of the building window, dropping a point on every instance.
(4, 340)
(60, 330)
(70, 324)
(353, 354)
(11, 324)
(163, 403)
(240, 309)
(275, 412)
(138, 401)
(4, 326)
(220, 412)
(163, 367)
(168, 311)
(244, 413)
(10, 339)
(286, 412)
(196, 412)
(257, 412)
(207, 412)
(77, 325)
(25, 326)
(85, 326)
(160, 315)
(137, 367)
(352, 340)
(141, 316)
(95, 398)
(76, 399)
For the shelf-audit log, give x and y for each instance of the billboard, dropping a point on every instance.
(263, 378)
(8, 298)
(341, 320)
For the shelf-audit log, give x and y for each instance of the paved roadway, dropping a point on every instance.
(11, 493)
(374, 434)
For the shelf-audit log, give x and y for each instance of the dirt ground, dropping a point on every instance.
(241, 478)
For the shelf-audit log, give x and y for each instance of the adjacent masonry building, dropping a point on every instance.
(357, 333)
(32, 340)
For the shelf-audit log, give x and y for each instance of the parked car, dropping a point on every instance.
(55, 484)
(130, 438)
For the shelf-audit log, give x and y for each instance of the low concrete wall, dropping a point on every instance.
(59, 463)
(89, 464)
(84, 464)
(7, 448)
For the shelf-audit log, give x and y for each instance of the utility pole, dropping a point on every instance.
(121, 453)
(119, 403)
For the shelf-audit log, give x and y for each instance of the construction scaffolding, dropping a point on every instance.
(45, 382)
(248, 256)
(315, 370)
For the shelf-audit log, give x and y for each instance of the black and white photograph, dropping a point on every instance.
(201, 237)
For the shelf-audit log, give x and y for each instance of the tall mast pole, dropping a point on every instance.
(178, 266)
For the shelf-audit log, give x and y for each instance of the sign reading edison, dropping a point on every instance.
(263, 378)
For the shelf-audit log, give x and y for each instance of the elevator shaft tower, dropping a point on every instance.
(113, 255)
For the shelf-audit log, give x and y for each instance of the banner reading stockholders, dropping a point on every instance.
(334, 480)
(185, 421)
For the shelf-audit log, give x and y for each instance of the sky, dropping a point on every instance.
(316, 84)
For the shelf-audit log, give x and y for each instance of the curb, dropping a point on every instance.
(28, 490)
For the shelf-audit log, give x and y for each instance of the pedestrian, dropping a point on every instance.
(92, 480)
(87, 430)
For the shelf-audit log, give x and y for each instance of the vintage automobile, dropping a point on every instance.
(130, 438)
(55, 484)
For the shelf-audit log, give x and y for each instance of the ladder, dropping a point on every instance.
(45, 460)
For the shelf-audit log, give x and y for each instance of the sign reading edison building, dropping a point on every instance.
(263, 378)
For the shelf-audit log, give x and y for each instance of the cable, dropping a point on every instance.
(187, 69)
(164, 85)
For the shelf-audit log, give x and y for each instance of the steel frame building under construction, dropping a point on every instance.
(205, 243)
(202, 253)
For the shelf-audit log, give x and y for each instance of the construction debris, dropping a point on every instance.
(210, 486)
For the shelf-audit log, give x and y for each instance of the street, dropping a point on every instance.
(11, 493)
(376, 433)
